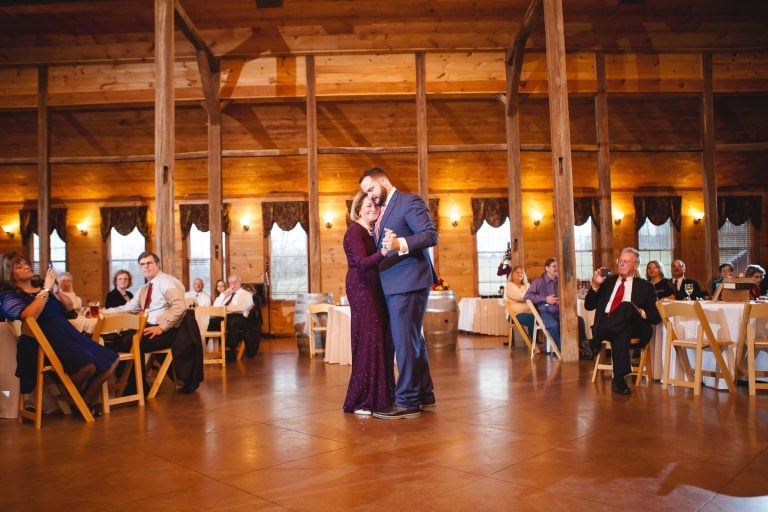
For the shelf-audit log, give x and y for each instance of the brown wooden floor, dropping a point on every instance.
(507, 436)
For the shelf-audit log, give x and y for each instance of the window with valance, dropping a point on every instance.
(656, 217)
(739, 209)
(57, 221)
(197, 214)
(736, 218)
(124, 219)
(286, 214)
(584, 208)
(493, 210)
(657, 209)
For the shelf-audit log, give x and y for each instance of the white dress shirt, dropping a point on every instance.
(166, 307)
(627, 292)
(242, 302)
(197, 298)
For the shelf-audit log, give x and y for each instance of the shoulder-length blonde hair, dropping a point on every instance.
(357, 203)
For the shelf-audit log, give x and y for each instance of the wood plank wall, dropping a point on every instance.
(101, 135)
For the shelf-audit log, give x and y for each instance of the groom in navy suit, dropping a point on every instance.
(405, 231)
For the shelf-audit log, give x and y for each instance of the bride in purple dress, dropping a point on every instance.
(372, 383)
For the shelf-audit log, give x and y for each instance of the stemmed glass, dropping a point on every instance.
(688, 289)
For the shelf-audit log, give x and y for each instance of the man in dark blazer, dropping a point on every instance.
(625, 307)
(679, 281)
(405, 231)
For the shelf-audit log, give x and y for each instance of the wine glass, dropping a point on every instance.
(688, 289)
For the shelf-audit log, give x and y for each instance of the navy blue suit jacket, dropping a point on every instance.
(408, 216)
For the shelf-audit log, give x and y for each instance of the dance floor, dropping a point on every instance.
(269, 434)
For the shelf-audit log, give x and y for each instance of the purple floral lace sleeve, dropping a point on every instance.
(11, 305)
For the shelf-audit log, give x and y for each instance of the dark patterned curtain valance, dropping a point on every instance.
(584, 208)
(657, 209)
(286, 214)
(493, 210)
(124, 219)
(739, 209)
(197, 214)
(57, 221)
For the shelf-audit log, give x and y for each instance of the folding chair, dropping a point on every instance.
(45, 354)
(162, 372)
(643, 368)
(515, 324)
(757, 314)
(704, 340)
(316, 326)
(539, 324)
(117, 324)
(203, 314)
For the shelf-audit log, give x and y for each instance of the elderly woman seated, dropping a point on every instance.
(66, 285)
(87, 363)
(514, 298)
(756, 272)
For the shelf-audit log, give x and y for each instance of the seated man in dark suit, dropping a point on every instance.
(625, 307)
(679, 281)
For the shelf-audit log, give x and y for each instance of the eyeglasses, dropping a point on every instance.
(626, 262)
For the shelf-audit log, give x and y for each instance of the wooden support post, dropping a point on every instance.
(164, 134)
(422, 143)
(709, 187)
(563, 179)
(604, 165)
(513, 68)
(43, 170)
(312, 178)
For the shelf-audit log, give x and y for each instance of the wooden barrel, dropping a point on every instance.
(301, 320)
(441, 321)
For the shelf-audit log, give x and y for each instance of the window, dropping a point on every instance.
(288, 259)
(585, 253)
(199, 243)
(656, 243)
(735, 244)
(491, 245)
(124, 253)
(58, 253)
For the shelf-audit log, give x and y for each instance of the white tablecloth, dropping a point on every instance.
(483, 316)
(338, 338)
(9, 384)
(731, 315)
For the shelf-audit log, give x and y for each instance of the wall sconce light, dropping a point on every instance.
(83, 228)
(245, 221)
(618, 217)
(9, 231)
(246, 227)
(455, 217)
(697, 216)
(537, 216)
(328, 218)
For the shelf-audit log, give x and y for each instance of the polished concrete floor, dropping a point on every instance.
(507, 435)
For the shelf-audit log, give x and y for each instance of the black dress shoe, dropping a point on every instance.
(393, 412)
(620, 387)
(188, 389)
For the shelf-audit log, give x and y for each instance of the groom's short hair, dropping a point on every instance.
(373, 173)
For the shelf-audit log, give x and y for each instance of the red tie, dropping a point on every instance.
(229, 299)
(148, 298)
(377, 224)
(618, 297)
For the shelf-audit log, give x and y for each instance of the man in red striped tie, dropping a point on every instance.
(625, 307)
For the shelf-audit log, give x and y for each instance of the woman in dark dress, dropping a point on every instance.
(654, 271)
(87, 363)
(119, 294)
(372, 383)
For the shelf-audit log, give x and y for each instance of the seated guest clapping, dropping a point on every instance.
(87, 363)
(625, 308)
(238, 303)
(514, 298)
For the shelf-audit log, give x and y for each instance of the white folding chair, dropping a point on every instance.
(539, 325)
(317, 325)
(202, 315)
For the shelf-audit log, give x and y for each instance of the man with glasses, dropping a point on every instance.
(162, 298)
(625, 307)
(543, 293)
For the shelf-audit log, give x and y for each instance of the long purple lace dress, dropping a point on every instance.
(372, 383)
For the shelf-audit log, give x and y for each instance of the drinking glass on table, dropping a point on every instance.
(688, 289)
(93, 309)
